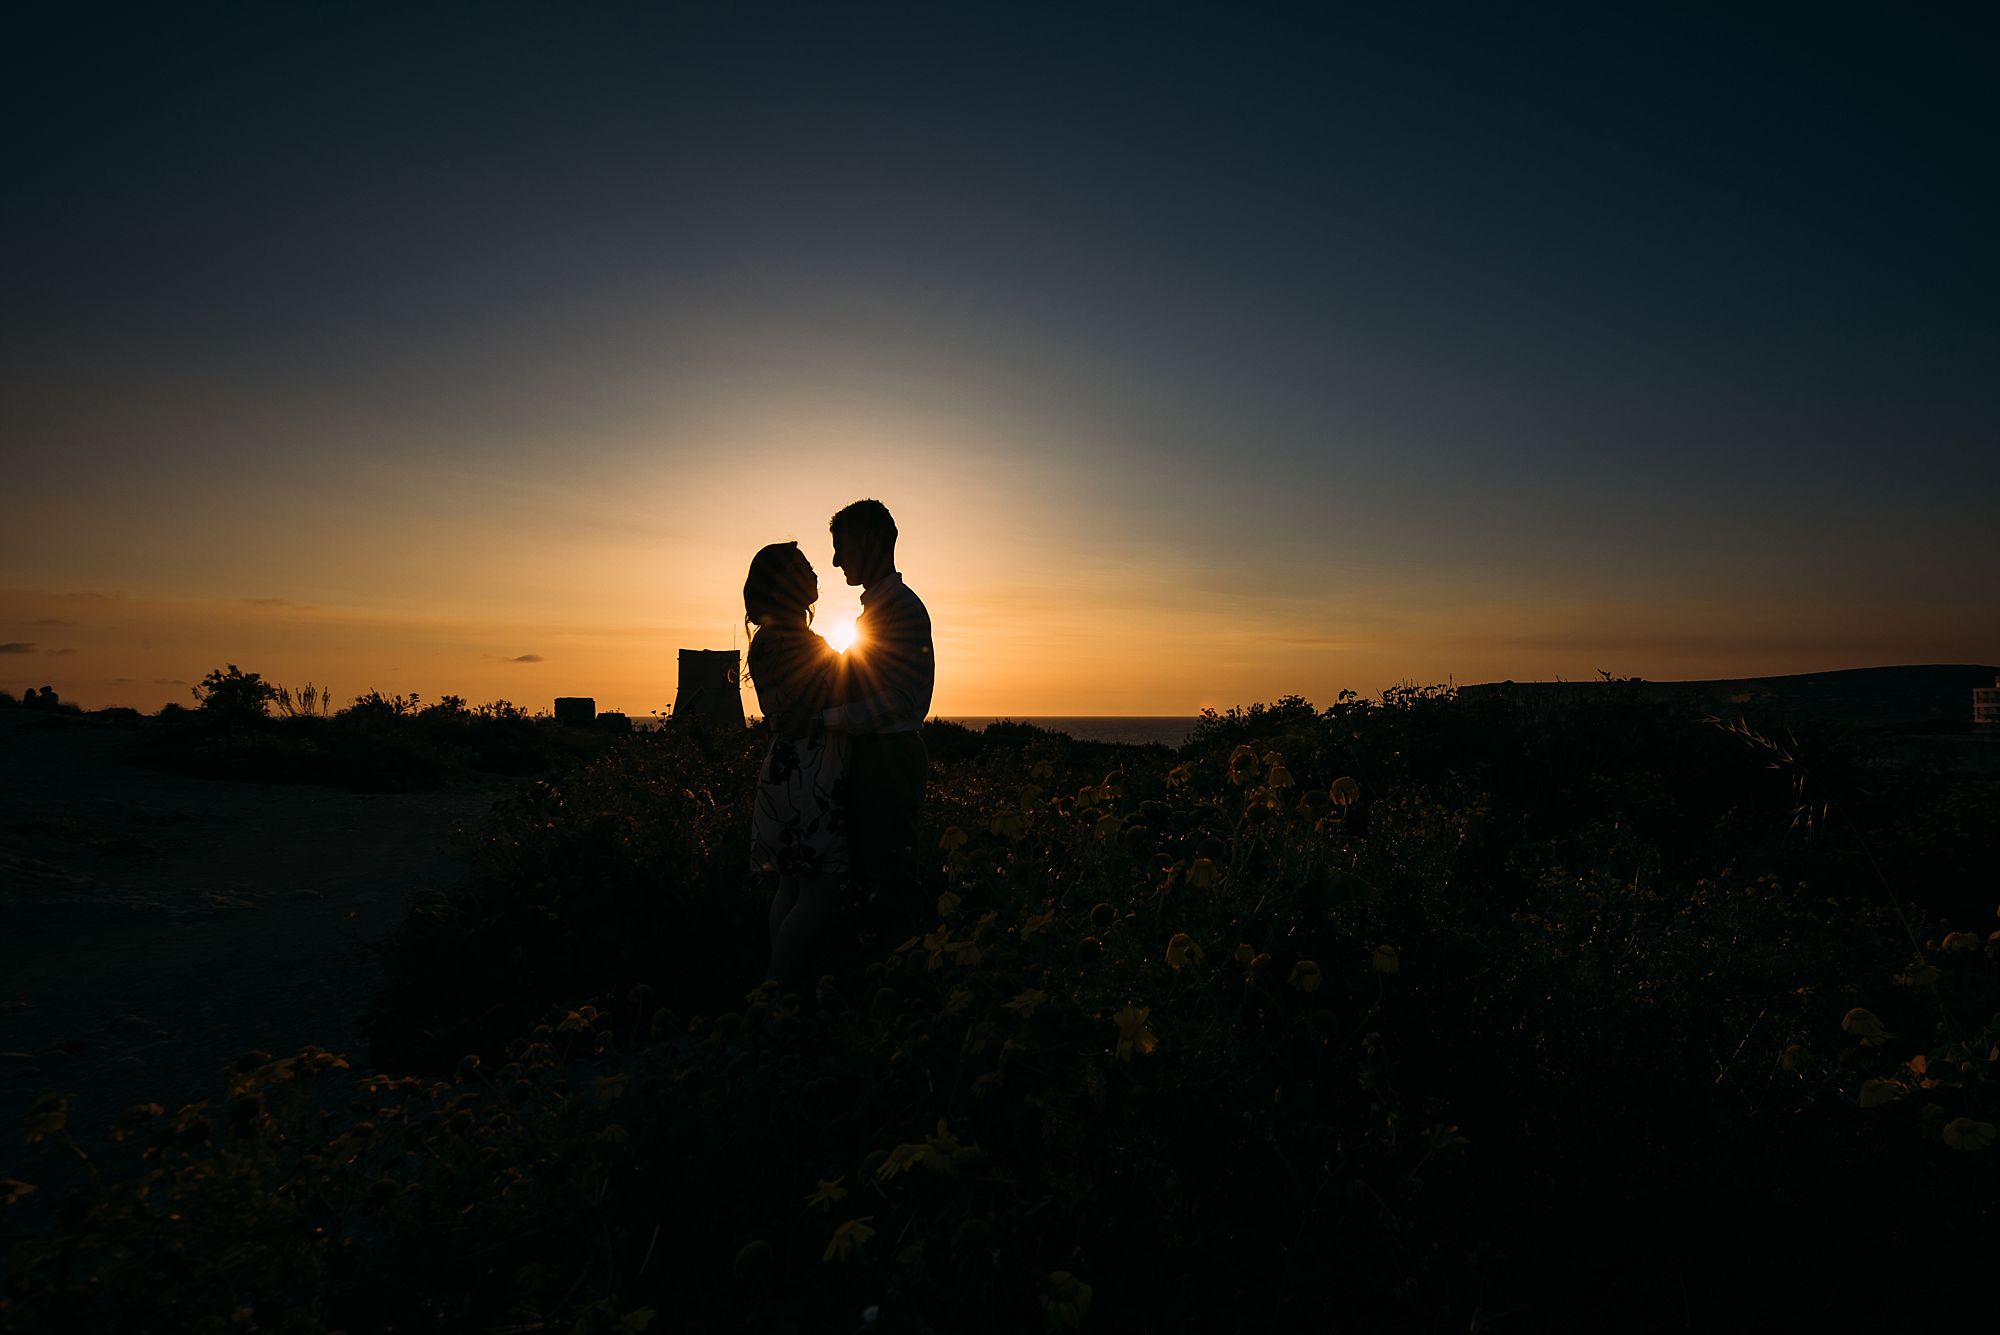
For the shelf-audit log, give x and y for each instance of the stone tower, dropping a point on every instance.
(710, 694)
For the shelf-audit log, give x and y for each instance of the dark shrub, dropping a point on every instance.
(234, 694)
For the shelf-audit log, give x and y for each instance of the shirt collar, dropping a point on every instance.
(882, 588)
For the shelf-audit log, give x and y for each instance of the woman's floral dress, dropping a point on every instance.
(799, 827)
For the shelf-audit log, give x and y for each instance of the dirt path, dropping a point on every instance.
(153, 928)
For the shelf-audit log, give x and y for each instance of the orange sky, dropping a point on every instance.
(1066, 569)
(1046, 595)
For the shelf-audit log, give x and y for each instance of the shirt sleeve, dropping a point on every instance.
(888, 667)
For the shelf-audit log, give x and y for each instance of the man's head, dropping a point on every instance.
(864, 541)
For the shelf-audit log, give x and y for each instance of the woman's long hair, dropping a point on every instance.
(780, 587)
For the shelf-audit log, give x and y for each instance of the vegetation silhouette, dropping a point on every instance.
(1578, 971)
(377, 743)
(231, 693)
(44, 698)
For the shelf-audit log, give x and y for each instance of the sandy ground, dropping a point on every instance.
(153, 928)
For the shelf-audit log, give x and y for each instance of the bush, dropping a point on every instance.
(376, 706)
(381, 744)
(630, 870)
(1384, 1015)
(234, 694)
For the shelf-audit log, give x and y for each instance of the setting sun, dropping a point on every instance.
(839, 632)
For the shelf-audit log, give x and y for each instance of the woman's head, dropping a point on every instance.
(781, 586)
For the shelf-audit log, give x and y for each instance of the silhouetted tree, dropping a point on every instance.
(234, 693)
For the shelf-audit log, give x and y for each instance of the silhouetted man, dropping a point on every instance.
(886, 693)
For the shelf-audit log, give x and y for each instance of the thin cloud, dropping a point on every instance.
(528, 658)
(281, 602)
(55, 621)
(168, 681)
(18, 647)
(60, 652)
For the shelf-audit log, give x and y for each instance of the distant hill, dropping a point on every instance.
(1919, 698)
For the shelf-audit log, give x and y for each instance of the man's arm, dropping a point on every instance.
(870, 713)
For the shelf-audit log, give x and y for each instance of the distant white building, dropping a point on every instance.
(1986, 705)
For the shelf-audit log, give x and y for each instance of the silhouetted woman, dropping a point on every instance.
(799, 829)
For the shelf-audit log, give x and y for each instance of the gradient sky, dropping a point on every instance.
(1204, 354)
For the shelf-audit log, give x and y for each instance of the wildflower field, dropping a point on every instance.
(1422, 1013)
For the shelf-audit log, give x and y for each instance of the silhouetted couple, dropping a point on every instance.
(842, 784)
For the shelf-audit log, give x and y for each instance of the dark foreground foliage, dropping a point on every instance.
(378, 744)
(1441, 1013)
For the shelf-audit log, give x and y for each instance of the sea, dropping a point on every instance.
(1130, 729)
